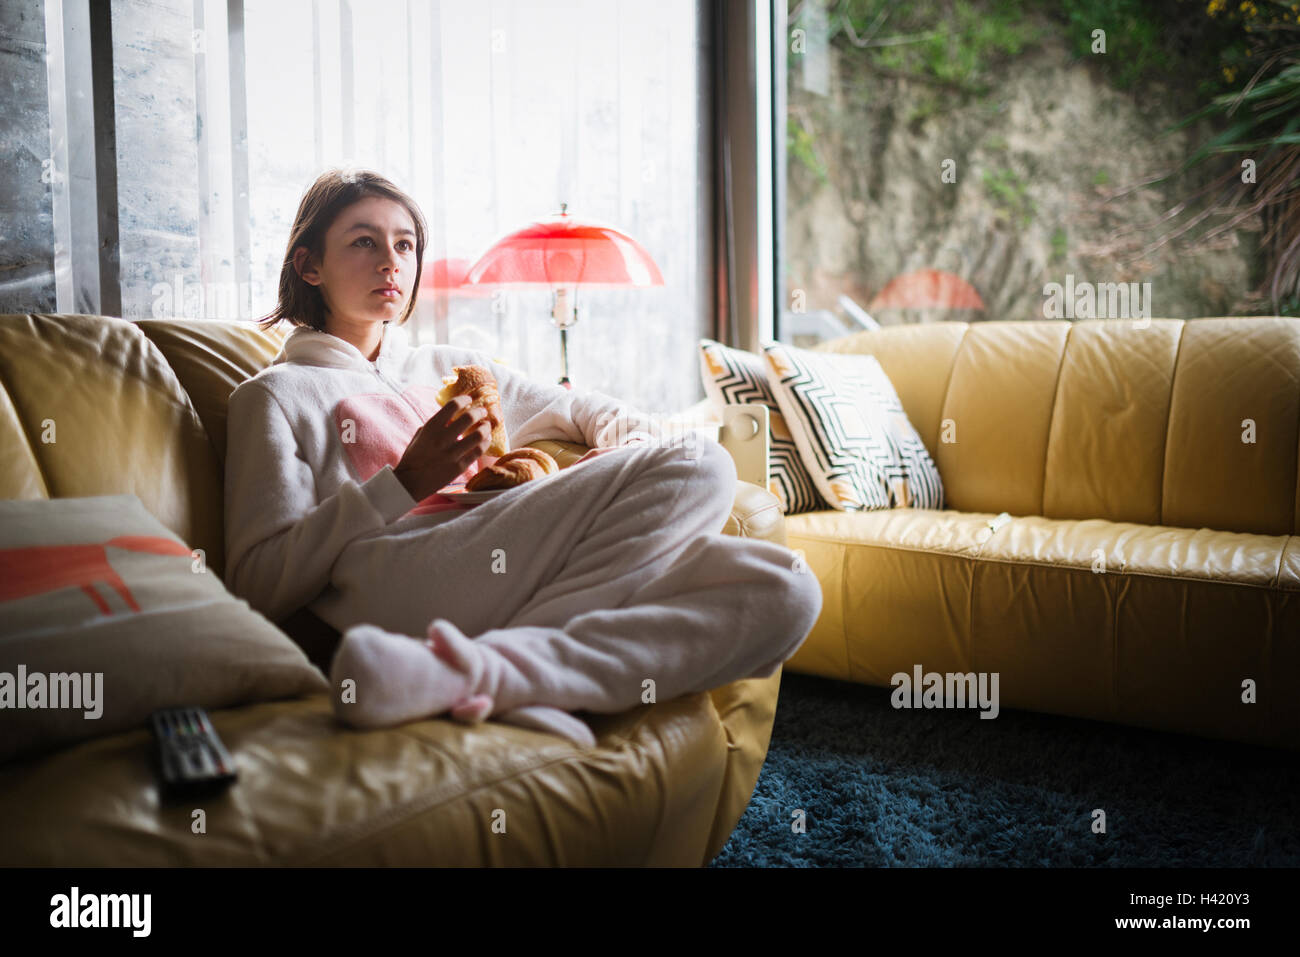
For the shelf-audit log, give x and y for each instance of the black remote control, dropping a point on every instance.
(191, 758)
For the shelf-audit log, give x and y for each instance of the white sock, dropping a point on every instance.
(396, 679)
(400, 679)
(450, 643)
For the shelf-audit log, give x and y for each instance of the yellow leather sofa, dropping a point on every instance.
(141, 408)
(1148, 568)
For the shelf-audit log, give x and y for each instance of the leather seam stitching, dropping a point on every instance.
(1277, 576)
(1030, 564)
(947, 386)
(844, 610)
(1169, 416)
(1051, 419)
(21, 422)
(745, 519)
(1295, 517)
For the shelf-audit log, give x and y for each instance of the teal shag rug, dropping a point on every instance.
(872, 786)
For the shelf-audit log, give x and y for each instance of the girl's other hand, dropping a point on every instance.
(595, 452)
(638, 438)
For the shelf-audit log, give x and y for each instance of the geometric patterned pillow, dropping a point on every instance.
(852, 431)
(736, 377)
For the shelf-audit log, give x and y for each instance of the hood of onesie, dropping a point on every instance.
(305, 346)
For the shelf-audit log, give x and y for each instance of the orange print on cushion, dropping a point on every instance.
(38, 569)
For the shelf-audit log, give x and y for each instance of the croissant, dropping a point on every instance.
(513, 468)
(479, 384)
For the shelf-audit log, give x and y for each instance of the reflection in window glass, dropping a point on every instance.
(964, 160)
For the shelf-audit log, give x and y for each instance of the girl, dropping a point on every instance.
(603, 587)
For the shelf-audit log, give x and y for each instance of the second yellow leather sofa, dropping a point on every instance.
(1148, 572)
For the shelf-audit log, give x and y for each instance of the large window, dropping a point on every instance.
(964, 159)
(491, 114)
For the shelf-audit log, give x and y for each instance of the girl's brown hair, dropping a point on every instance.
(301, 303)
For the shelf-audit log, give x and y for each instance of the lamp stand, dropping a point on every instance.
(564, 313)
(564, 358)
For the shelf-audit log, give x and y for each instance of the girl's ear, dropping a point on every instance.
(304, 267)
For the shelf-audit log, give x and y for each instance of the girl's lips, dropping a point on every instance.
(388, 293)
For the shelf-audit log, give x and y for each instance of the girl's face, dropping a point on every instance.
(368, 271)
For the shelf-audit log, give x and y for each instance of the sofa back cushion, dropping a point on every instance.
(1190, 423)
(212, 359)
(1234, 427)
(89, 407)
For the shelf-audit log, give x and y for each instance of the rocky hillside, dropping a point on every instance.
(1049, 173)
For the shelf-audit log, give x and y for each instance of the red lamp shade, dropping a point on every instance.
(564, 251)
(448, 277)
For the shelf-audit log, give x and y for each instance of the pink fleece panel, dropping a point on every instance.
(375, 429)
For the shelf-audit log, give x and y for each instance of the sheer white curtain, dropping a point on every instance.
(491, 114)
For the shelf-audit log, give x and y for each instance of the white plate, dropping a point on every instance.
(475, 497)
(471, 498)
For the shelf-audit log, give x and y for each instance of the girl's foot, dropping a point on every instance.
(397, 679)
(382, 679)
(450, 644)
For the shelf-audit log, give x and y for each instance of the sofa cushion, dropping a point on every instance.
(664, 787)
(211, 360)
(106, 615)
(851, 430)
(1154, 626)
(736, 377)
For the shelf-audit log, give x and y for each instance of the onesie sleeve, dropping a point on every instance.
(281, 543)
(535, 410)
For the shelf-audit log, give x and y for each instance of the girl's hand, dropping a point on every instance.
(595, 452)
(635, 441)
(438, 453)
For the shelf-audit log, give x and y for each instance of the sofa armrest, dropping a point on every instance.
(756, 513)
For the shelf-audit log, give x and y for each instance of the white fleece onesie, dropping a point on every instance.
(588, 590)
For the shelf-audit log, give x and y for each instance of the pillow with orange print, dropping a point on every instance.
(106, 616)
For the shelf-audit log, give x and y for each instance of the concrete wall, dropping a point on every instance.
(26, 218)
(157, 153)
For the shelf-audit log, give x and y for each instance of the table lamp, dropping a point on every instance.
(561, 254)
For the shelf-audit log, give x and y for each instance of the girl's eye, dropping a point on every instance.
(403, 244)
